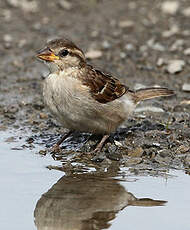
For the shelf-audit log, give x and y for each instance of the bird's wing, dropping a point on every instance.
(103, 87)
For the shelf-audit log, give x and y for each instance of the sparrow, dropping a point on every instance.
(83, 98)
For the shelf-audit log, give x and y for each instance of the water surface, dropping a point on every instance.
(33, 197)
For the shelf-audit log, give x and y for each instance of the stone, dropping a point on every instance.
(122, 55)
(175, 66)
(126, 24)
(177, 45)
(162, 160)
(186, 12)
(186, 87)
(182, 149)
(187, 160)
(170, 7)
(155, 45)
(187, 51)
(149, 109)
(93, 54)
(7, 38)
(106, 44)
(137, 152)
(172, 31)
(43, 115)
(117, 143)
(66, 5)
(133, 161)
(185, 102)
(160, 62)
(29, 6)
(129, 47)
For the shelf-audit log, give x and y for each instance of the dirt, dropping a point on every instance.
(137, 40)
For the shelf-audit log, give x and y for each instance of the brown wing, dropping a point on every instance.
(103, 87)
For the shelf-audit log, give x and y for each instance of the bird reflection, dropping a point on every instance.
(84, 202)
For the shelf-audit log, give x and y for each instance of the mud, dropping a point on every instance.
(137, 40)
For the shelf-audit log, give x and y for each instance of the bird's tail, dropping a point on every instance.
(148, 93)
(146, 202)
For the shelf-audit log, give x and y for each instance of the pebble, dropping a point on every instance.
(187, 51)
(7, 38)
(158, 46)
(11, 109)
(137, 152)
(122, 55)
(126, 24)
(149, 109)
(93, 54)
(162, 160)
(133, 161)
(29, 6)
(186, 12)
(117, 143)
(187, 160)
(129, 47)
(177, 45)
(106, 45)
(43, 115)
(160, 62)
(94, 34)
(13, 3)
(10, 139)
(172, 31)
(175, 66)
(185, 102)
(170, 7)
(66, 5)
(164, 153)
(155, 45)
(186, 87)
(182, 149)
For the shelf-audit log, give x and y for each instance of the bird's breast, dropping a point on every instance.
(72, 104)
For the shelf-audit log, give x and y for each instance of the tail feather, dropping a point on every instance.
(148, 93)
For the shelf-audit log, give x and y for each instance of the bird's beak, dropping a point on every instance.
(47, 55)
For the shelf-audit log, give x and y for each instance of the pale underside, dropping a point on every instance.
(74, 107)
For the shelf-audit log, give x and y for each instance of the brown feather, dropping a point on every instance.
(148, 93)
(103, 87)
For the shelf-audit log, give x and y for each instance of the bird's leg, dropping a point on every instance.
(56, 147)
(100, 145)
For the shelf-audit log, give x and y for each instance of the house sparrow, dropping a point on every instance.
(83, 98)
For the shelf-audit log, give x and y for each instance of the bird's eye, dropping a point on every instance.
(63, 53)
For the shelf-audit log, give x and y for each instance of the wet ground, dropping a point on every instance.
(144, 43)
(33, 197)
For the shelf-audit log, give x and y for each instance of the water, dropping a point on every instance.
(33, 197)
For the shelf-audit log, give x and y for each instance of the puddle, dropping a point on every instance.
(33, 197)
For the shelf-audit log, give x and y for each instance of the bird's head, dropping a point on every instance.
(60, 54)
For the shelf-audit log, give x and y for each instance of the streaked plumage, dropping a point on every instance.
(83, 98)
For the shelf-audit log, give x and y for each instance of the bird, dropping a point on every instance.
(83, 98)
